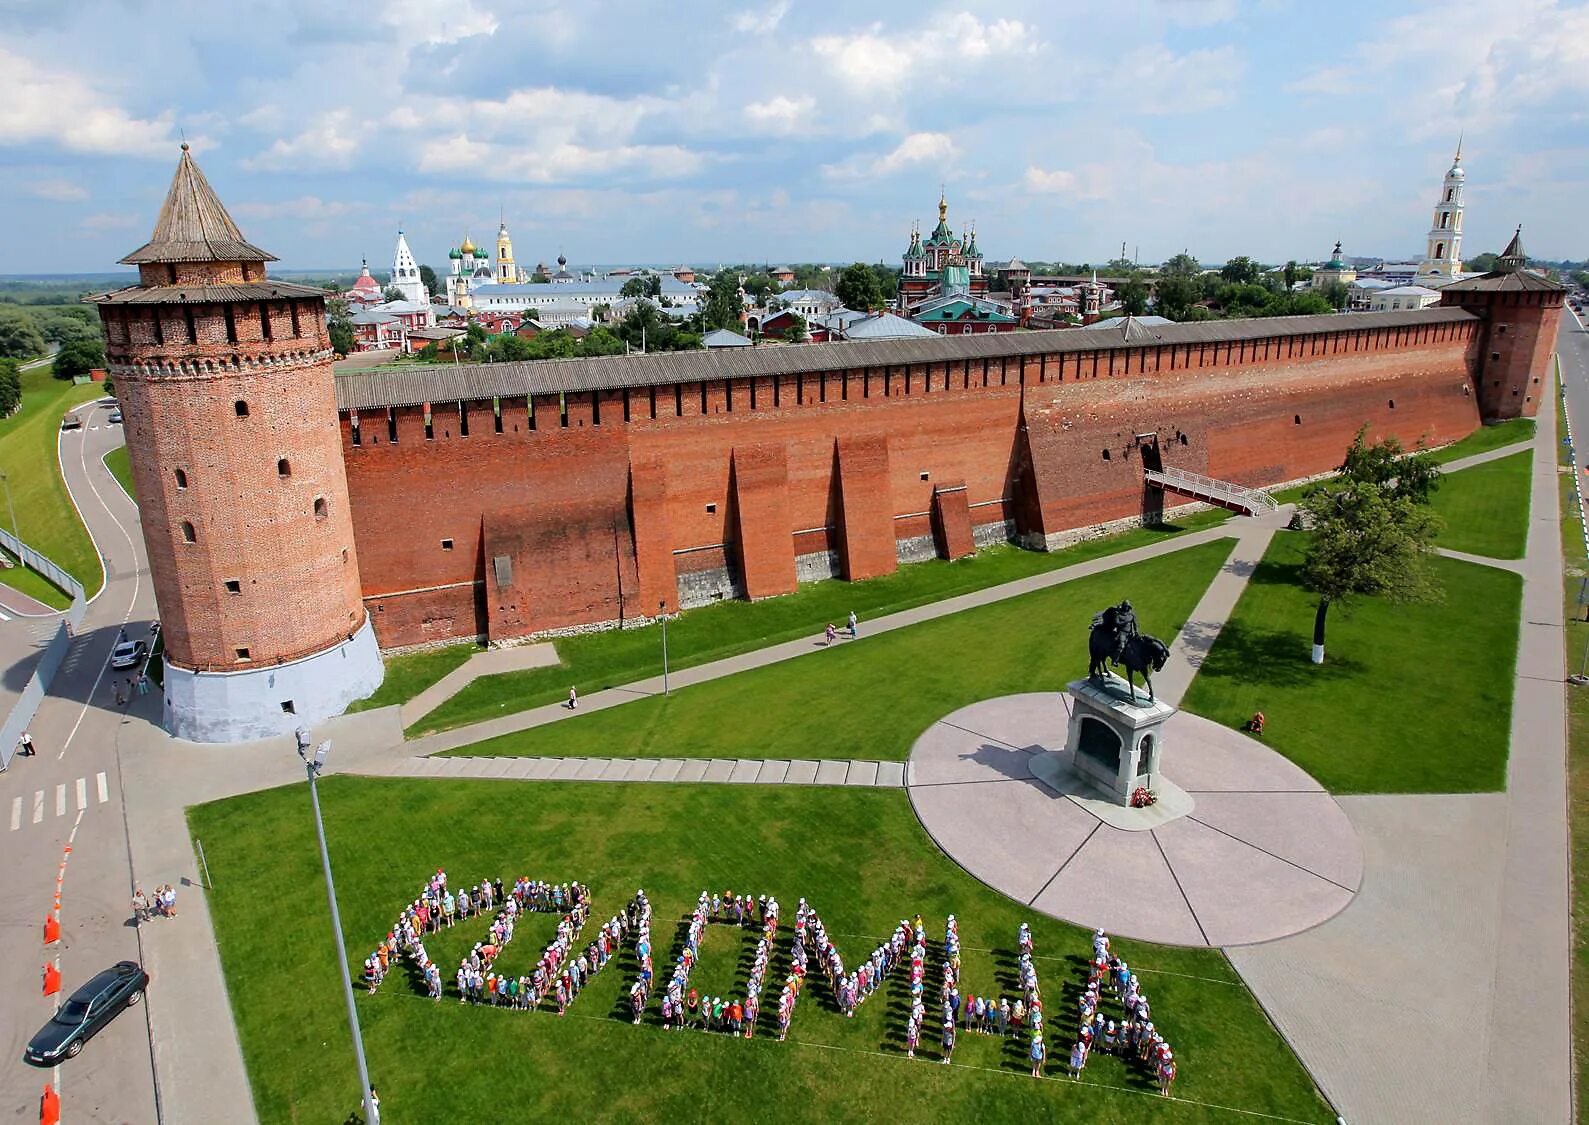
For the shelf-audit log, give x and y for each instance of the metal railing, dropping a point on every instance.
(1222, 492)
(27, 704)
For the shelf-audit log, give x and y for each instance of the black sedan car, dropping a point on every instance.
(85, 1012)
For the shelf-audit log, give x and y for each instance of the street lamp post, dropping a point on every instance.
(662, 610)
(313, 766)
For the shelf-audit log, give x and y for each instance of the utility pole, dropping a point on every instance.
(662, 611)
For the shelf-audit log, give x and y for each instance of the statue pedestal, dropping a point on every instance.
(1113, 747)
(1114, 741)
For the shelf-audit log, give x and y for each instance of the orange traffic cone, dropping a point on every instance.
(52, 931)
(49, 1106)
(52, 980)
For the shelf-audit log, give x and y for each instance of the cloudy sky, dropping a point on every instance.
(636, 132)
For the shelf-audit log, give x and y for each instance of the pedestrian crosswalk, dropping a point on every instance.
(27, 812)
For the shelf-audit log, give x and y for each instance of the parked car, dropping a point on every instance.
(71, 422)
(85, 1012)
(128, 653)
(115, 417)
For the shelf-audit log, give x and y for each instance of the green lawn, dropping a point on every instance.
(27, 581)
(45, 514)
(600, 660)
(1486, 438)
(872, 698)
(120, 465)
(410, 673)
(1485, 508)
(860, 856)
(1410, 699)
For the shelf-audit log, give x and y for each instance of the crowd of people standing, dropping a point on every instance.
(1133, 1038)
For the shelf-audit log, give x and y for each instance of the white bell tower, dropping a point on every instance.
(405, 273)
(1442, 256)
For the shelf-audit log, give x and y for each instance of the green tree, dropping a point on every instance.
(79, 356)
(797, 332)
(10, 387)
(1386, 465)
(1243, 299)
(539, 277)
(1335, 293)
(1241, 271)
(1366, 541)
(1133, 296)
(602, 341)
(427, 278)
(19, 333)
(1372, 528)
(723, 304)
(1291, 273)
(340, 327)
(61, 325)
(1581, 277)
(642, 286)
(1483, 263)
(887, 281)
(393, 293)
(1301, 303)
(858, 289)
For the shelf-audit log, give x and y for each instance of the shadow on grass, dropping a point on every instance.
(1275, 658)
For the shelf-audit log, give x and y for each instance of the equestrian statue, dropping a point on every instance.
(1115, 640)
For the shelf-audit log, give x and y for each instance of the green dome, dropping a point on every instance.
(455, 253)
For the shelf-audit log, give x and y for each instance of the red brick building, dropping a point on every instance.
(515, 498)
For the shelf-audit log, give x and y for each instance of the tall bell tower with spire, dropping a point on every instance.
(1443, 252)
(224, 377)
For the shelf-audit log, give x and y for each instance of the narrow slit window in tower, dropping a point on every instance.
(319, 508)
(188, 534)
(234, 586)
(182, 478)
(283, 468)
(240, 407)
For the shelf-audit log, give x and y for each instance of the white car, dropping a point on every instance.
(128, 653)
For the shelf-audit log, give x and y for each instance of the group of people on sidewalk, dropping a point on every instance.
(831, 633)
(1132, 1038)
(124, 690)
(161, 904)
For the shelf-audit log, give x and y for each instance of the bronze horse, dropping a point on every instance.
(1141, 653)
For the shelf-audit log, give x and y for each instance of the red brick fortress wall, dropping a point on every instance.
(608, 502)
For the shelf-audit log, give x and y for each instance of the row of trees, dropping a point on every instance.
(10, 386)
(1241, 288)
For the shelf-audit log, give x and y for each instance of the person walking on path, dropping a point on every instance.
(855, 624)
(140, 906)
(116, 688)
(829, 634)
(573, 699)
(25, 745)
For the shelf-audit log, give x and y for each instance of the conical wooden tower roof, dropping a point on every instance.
(194, 226)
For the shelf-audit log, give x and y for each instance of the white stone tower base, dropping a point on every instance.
(262, 702)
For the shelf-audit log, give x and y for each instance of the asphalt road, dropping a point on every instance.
(1573, 346)
(70, 794)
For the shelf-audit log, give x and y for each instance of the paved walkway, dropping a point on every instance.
(746, 771)
(492, 662)
(1442, 993)
(1262, 851)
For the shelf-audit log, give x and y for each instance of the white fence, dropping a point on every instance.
(54, 652)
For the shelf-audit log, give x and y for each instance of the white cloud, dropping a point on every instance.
(876, 61)
(331, 142)
(57, 191)
(780, 114)
(423, 21)
(1045, 183)
(58, 107)
(557, 164)
(761, 21)
(1162, 81)
(306, 208)
(918, 148)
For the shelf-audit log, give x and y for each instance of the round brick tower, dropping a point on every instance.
(225, 382)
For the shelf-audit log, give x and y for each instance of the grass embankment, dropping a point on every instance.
(860, 856)
(46, 519)
(1485, 508)
(410, 673)
(872, 698)
(698, 636)
(119, 463)
(1360, 722)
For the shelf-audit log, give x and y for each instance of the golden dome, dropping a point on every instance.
(468, 247)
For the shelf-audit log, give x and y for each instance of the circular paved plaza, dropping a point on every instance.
(1263, 851)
